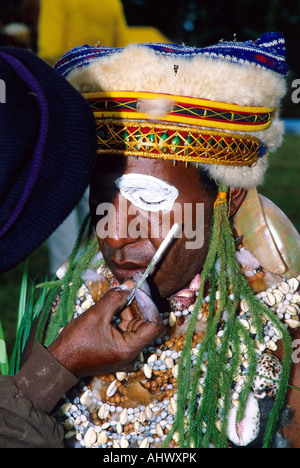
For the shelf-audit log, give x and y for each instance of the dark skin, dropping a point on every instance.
(90, 344)
(120, 252)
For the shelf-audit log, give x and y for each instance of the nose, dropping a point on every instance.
(118, 231)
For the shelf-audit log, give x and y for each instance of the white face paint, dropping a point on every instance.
(147, 192)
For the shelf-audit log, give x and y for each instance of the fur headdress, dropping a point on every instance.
(218, 105)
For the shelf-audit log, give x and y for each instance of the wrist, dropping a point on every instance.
(43, 379)
(61, 353)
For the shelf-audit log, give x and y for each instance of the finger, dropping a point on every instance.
(145, 333)
(134, 324)
(114, 300)
(146, 306)
(145, 286)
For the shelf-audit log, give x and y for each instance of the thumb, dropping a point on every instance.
(147, 307)
(114, 300)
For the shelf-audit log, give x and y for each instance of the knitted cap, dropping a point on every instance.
(46, 164)
(219, 104)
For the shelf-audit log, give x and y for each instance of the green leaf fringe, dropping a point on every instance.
(84, 251)
(193, 412)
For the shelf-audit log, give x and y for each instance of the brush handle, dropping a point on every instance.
(165, 243)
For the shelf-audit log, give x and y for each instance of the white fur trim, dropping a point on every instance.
(137, 68)
(239, 176)
(141, 69)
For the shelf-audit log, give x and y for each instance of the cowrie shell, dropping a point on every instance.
(112, 389)
(145, 443)
(244, 305)
(152, 358)
(85, 399)
(159, 430)
(294, 283)
(142, 417)
(292, 309)
(121, 376)
(148, 412)
(124, 442)
(270, 299)
(90, 437)
(103, 412)
(102, 438)
(293, 323)
(123, 416)
(295, 299)
(172, 319)
(169, 362)
(272, 345)
(175, 371)
(284, 287)
(147, 371)
(245, 323)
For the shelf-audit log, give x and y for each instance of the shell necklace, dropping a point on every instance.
(136, 409)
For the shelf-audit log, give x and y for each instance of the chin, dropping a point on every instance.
(167, 288)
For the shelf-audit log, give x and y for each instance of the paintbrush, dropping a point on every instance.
(159, 253)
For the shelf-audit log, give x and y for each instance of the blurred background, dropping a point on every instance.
(40, 25)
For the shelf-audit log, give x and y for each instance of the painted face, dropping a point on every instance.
(147, 192)
(130, 228)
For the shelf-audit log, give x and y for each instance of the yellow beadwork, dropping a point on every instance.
(221, 198)
(183, 111)
(173, 142)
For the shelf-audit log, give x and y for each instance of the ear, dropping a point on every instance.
(236, 198)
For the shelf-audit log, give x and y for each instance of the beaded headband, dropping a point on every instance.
(216, 105)
(123, 129)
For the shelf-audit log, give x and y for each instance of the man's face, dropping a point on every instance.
(133, 234)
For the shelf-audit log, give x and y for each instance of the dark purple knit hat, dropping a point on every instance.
(47, 152)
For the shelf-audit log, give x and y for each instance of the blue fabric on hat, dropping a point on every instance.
(267, 52)
(38, 154)
(47, 153)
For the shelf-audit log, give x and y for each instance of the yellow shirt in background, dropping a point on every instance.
(64, 24)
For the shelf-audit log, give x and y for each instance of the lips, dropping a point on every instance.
(126, 270)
